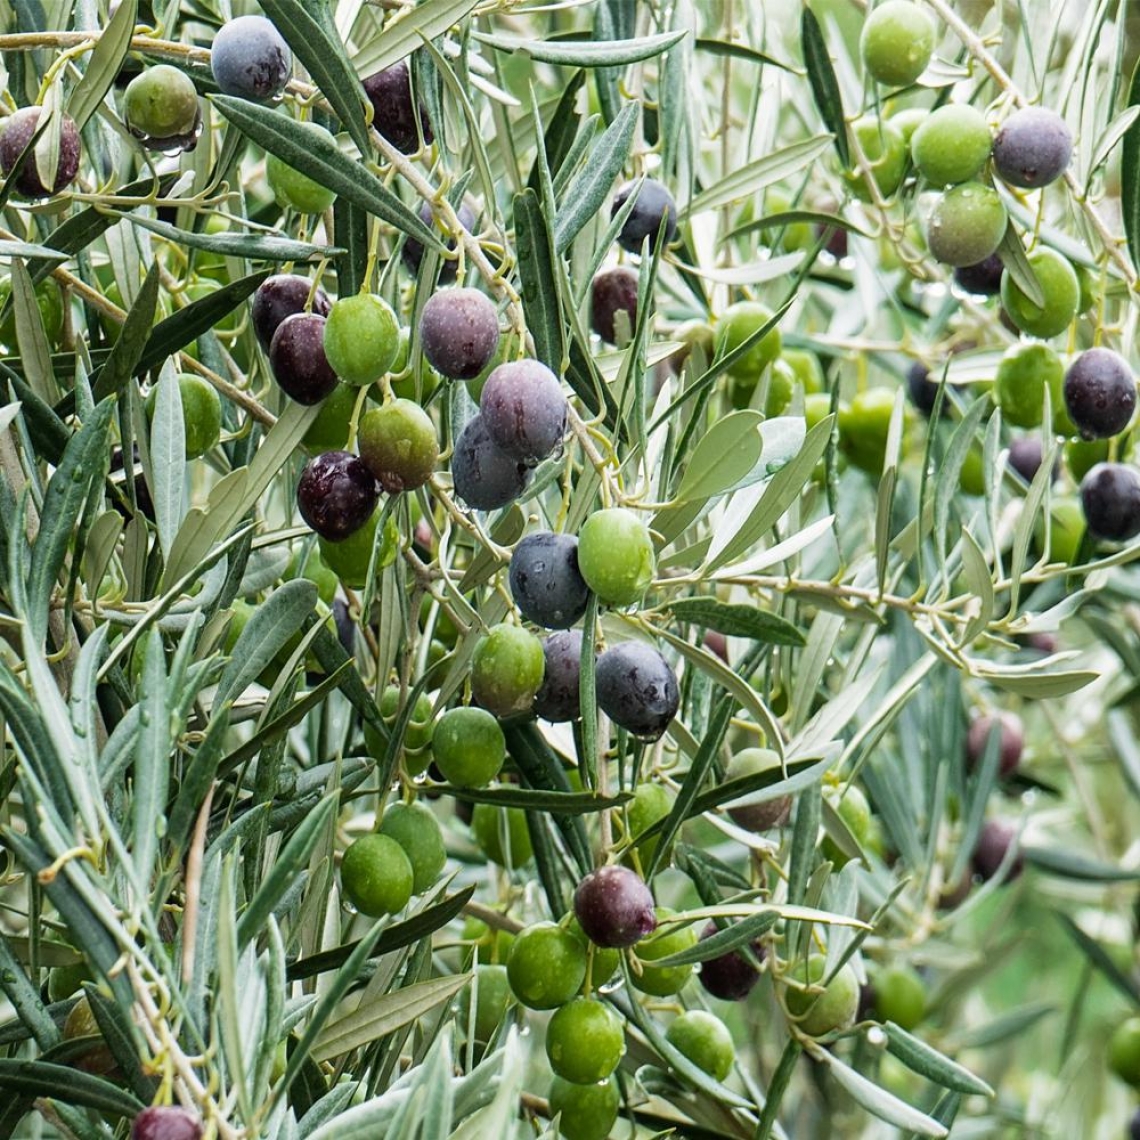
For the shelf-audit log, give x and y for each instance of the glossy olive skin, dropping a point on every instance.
(1026, 456)
(731, 976)
(1110, 498)
(297, 357)
(459, 332)
(1011, 737)
(393, 110)
(1023, 375)
(295, 190)
(336, 495)
(637, 689)
(545, 581)
(983, 278)
(161, 103)
(17, 132)
(922, 390)
(966, 225)
(586, 1112)
(416, 830)
(413, 252)
(1032, 148)
(1061, 289)
(886, 152)
(201, 413)
(616, 556)
(994, 842)
(469, 747)
(1100, 393)
(951, 145)
(705, 1040)
(1124, 1051)
(663, 981)
(654, 209)
(377, 875)
(900, 996)
(834, 1008)
(546, 966)
(281, 296)
(362, 338)
(557, 699)
(484, 477)
(613, 291)
(506, 670)
(524, 410)
(399, 445)
(614, 907)
(737, 323)
(585, 1041)
(897, 42)
(166, 1122)
(769, 813)
(250, 59)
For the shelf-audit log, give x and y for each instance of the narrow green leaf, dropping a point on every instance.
(1073, 865)
(746, 696)
(929, 1063)
(68, 1084)
(167, 467)
(27, 249)
(152, 761)
(84, 461)
(128, 350)
(266, 633)
(121, 1037)
(1004, 1028)
(1100, 959)
(426, 21)
(103, 64)
(590, 187)
(543, 770)
(372, 1020)
(784, 218)
(732, 937)
(25, 999)
(877, 1101)
(570, 53)
(350, 227)
(254, 247)
(31, 337)
(726, 453)
(737, 620)
(1043, 685)
(746, 181)
(533, 799)
(323, 161)
(743, 51)
(540, 294)
(286, 867)
(1013, 257)
(777, 1087)
(784, 488)
(395, 937)
(558, 138)
(684, 805)
(1130, 174)
(316, 44)
(185, 326)
(824, 85)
